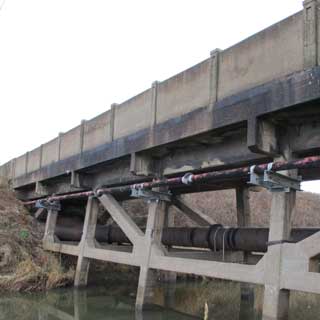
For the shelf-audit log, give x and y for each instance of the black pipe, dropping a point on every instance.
(215, 237)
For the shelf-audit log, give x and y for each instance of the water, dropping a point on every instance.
(186, 300)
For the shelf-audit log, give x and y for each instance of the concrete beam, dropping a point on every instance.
(141, 164)
(50, 226)
(243, 206)
(77, 180)
(276, 298)
(244, 220)
(152, 238)
(220, 270)
(120, 216)
(41, 189)
(40, 213)
(262, 137)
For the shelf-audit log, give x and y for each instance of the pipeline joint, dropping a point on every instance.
(187, 178)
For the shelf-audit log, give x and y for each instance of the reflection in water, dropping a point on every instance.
(117, 303)
(105, 307)
(92, 303)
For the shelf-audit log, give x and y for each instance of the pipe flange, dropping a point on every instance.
(213, 230)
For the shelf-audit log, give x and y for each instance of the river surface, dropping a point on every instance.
(185, 300)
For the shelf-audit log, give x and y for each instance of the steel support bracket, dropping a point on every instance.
(49, 205)
(274, 181)
(150, 195)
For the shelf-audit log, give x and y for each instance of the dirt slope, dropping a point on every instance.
(24, 266)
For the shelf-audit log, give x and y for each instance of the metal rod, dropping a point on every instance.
(193, 179)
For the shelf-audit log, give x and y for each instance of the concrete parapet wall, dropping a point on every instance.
(6, 170)
(269, 54)
(70, 143)
(133, 115)
(184, 92)
(97, 131)
(20, 165)
(50, 152)
(34, 159)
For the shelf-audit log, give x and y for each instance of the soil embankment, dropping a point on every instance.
(24, 265)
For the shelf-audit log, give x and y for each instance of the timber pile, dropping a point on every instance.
(24, 265)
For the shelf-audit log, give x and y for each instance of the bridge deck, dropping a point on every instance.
(231, 109)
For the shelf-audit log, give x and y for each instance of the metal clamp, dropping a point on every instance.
(49, 205)
(187, 178)
(150, 195)
(274, 181)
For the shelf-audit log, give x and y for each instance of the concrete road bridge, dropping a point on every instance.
(254, 103)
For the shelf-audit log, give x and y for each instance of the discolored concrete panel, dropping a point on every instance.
(34, 158)
(184, 92)
(20, 165)
(70, 143)
(97, 131)
(50, 152)
(270, 54)
(6, 170)
(133, 115)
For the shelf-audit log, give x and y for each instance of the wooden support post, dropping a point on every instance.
(87, 239)
(153, 234)
(244, 220)
(50, 226)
